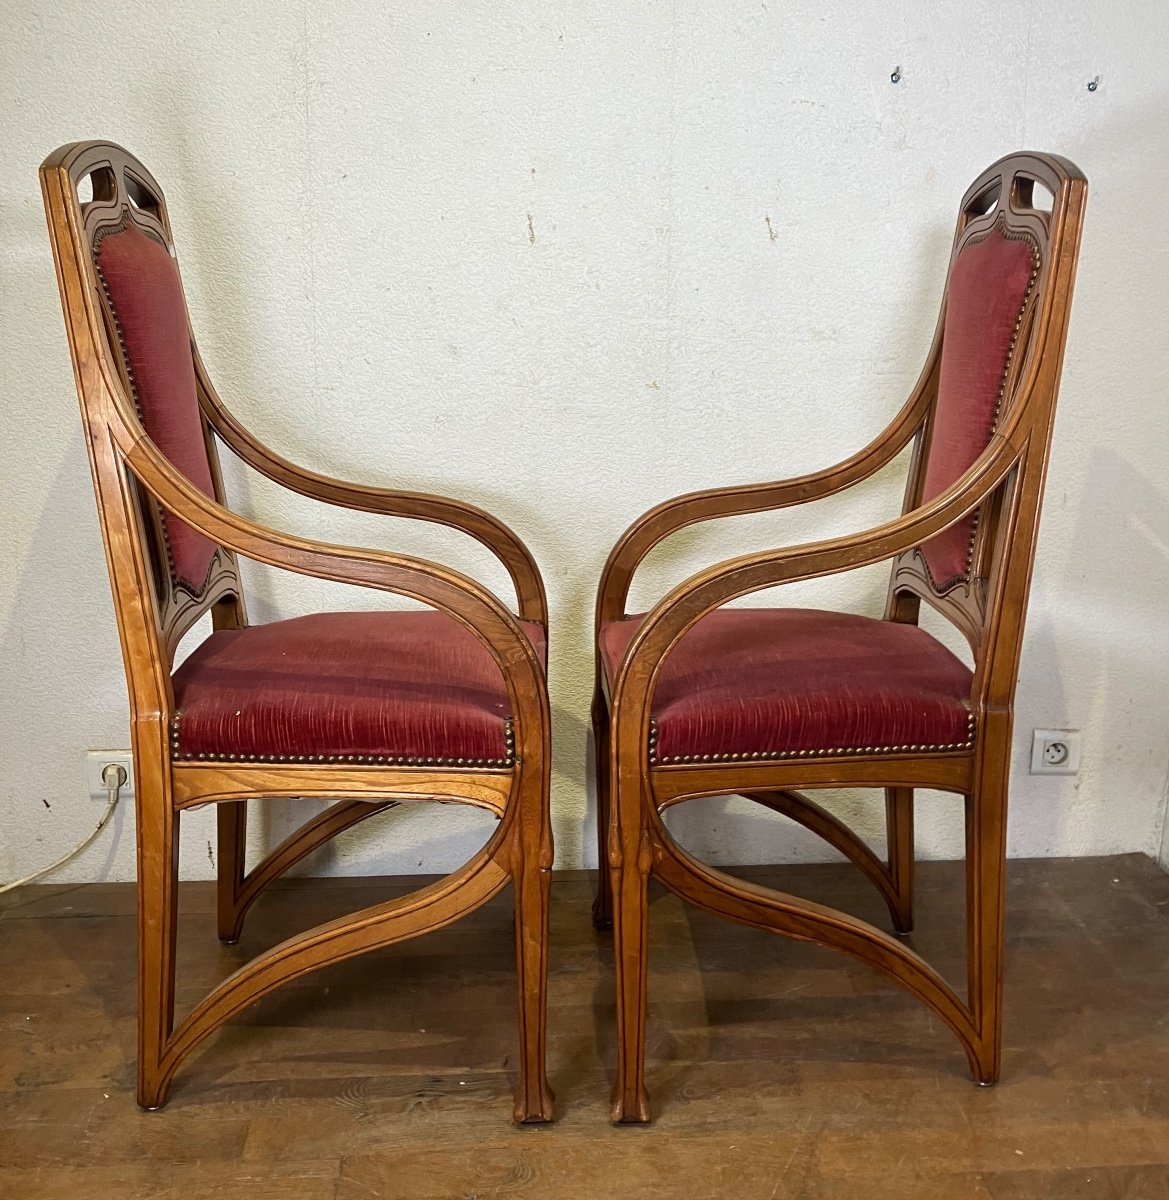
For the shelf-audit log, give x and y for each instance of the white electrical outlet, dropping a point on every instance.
(96, 762)
(1055, 752)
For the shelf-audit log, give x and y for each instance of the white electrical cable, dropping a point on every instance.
(113, 791)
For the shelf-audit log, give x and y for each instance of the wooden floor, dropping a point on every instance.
(777, 1070)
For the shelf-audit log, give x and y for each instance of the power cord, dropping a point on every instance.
(113, 777)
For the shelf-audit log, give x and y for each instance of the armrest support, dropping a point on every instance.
(452, 593)
(691, 600)
(477, 523)
(672, 515)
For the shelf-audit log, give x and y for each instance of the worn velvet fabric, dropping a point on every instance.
(147, 297)
(988, 284)
(382, 685)
(746, 681)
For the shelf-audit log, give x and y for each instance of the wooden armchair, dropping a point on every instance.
(694, 699)
(372, 709)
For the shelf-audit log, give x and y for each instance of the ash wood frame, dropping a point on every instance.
(1004, 487)
(133, 483)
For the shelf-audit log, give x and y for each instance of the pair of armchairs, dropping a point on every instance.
(377, 709)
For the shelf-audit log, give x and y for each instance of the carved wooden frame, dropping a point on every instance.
(1004, 486)
(134, 482)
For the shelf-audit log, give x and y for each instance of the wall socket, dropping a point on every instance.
(1055, 752)
(96, 762)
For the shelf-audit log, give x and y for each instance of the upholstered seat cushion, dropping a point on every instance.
(748, 683)
(401, 687)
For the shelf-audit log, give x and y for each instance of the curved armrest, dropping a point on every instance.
(710, 589)
(667, 518)
(452, 593)
(481, 525)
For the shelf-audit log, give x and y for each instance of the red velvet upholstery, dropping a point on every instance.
(147, 297)
(988, 285)
(413, 687)
(787, 682)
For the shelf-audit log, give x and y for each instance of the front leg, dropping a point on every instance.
(629, 868)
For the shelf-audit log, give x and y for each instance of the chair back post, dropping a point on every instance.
(1028, 424)
(123, 533)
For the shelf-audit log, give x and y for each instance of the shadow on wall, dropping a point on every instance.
(717, 833)
(1131, 520)
(62, 596)
(422, 837)
(1092, 630)
(1121, 534)
(725, 830)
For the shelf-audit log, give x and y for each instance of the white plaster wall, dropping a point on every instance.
(564, 259)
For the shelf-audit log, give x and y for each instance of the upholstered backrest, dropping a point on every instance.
(993, 371)
(138, 372)
(990, 282)
(146, 301)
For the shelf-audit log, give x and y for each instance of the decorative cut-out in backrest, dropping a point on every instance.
(990, 283)
(146, 298)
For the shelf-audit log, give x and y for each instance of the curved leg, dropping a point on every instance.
(299, 844)
(806, 812)
(900, 852)
(430, 908)
(629, 862)
(158, 878)
(603, 903)
(232, 824)
(986, 853)
(532, 880)
(778, 912)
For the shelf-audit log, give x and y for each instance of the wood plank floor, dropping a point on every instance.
(778, 1070)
